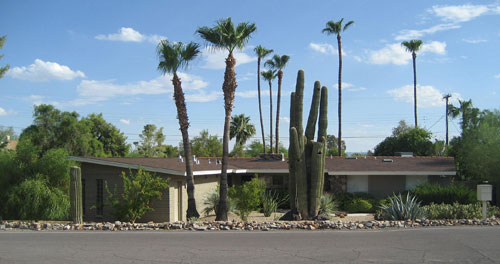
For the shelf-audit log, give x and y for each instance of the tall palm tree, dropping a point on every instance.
(336, 28)
(278, 63)
(172, 56)
(225, 36)
(413, 46)
(261, 53)
(241, 129)
(269, 76)
(470, 114)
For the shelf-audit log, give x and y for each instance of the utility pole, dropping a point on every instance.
(446, 97)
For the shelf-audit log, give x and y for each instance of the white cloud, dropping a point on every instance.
(459, 13)
(474, 41)
(245, 77)
(349, 87)
(324, 48)
(264, 91)
(497, 76)
(285, 119)
(408, 34)
(427, 96)
(130, 35)
(2, 112)
(216, 59)
(92, 91)
(202, 97)
(125, 121)
(396, 54)
(41, 71)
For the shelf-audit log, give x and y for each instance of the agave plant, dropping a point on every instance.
(327, 205)
(271, 200)
(402, 209)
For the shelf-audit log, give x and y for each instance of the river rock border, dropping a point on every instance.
(246, 226)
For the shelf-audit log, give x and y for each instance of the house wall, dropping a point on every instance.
(382, 186)
(413, 180)
(357, 183)
(204, 185)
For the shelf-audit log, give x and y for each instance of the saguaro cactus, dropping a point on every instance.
(75, 195)
(306, 156)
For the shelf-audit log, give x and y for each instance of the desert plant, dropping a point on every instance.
(247, 197)
(344, 199)
(271, 200)
(429, 193)
(327, 205)
(211, 202)
(457, 211)
(359, 205)
(403, 209)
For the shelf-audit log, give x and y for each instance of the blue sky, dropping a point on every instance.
(99, 57)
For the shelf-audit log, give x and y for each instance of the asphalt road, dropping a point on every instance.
(424, 245)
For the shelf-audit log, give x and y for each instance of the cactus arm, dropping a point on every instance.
(313, 112)
(317, 160)
(323, 114)
(299, 93)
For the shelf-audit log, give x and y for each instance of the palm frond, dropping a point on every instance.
(262, 52)
(277, 62)
(413, 45)
(225, 36)
(175, 55)
(348, 25)
(269, 75)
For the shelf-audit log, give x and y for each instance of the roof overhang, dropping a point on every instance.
(382, 173)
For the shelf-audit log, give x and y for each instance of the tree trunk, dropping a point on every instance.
(271, 117)
(260, 107)
(414, 55)
(229, 88)
(278, 103)
(339, 143)
(184, 125)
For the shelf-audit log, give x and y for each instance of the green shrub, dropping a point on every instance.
(345, 199)
(33, 199)
(429, 193)
(247, 197)
(359, 205)
(327, 205)
(139, 190)
(407, 208)
(458, 211)
(211, 203)
(271, 200)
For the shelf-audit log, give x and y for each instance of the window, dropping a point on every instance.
(83, 196)
(99, 203)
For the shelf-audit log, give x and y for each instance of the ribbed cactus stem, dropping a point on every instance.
(313, 112)
(323, 115)
(76, 195)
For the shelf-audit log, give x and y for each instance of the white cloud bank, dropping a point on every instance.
(349, 87)
(2, 112)
(127, 34)
(408, 34)
(427, 96)
(125, 121)
(396, 53)
(216, 59)
(41, 71)
(324, 48)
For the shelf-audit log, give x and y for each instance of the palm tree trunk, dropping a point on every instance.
(184, 124)
(339, 143)
(280, 78)
(414, 55)
(271, 116)
(229, 88)
(260, 107)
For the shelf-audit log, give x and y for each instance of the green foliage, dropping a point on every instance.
(4, 69)
(327, 205)
(407, 208)
(332, 146)
(151, 144)
(206, 145)
(255, 147)
(345, 199)
(139, 190)
(211, 202)
(458, 211)
(429, 193)
(416, 140)
(4, 133)
(271, 201)
(224, 35)
(111, 139)
(241, 129)
(33, 199)
(359, 205)
(247, 197)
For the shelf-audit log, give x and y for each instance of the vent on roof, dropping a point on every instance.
(209, 162)
(351, 158)
(404, 154)
(387, 160)
(181, 159)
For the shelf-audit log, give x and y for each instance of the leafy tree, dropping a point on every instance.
(269, 76)
(416, 140)
(151, 144)
(111, 138)
(332, 146)
(206, 145)
(225, 36)
(414, 46)
(255, 148)
(4, 69)
(139, 190)
(175, 55)
(4, 133)
(247, 197)
(401, 128)
(278, 63)
(261, 53)
(34, 199)
(241, 129)
(470, 115)
(336, 28)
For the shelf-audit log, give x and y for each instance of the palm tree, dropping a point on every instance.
(336, 28)
(225, 36)
(278, 63)
(413, 46)
(172, 56)
(241, 129)
(470, 114)
(261, 53)
(269, 76)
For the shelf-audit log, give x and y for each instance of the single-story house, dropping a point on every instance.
(379, 176)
